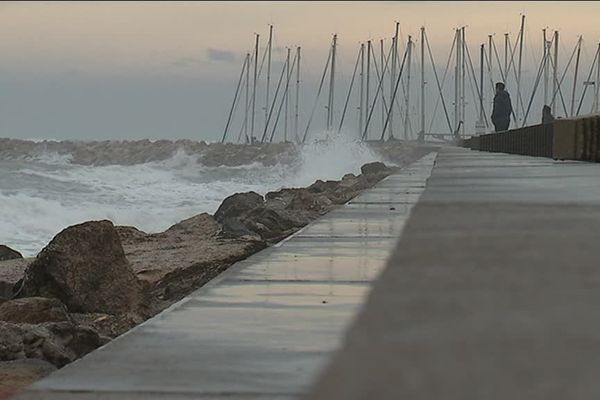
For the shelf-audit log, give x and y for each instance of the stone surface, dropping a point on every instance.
(238, 204)
(85, 267)
(33, 310)
(374, 168)
(6, 253)
(11, 272)
(184, 257)
(58, 343)
(11, 342)
(491, 293)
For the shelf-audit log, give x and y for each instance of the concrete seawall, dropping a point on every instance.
(267, 326)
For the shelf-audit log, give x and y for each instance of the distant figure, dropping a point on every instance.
(547, 117)
(502, 108)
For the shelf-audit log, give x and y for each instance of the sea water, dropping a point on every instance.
(40, 196)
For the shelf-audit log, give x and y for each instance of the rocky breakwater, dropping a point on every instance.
(131, 152)
(94, 280)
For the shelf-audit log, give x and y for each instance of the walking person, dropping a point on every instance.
(547, 117)
(502, 108)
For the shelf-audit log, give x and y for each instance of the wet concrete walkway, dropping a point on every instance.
(492, 293)
(266, 327)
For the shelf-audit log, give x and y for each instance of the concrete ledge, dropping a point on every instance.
(263, 329)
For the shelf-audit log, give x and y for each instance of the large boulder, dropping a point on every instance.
(320, 186)
(6, 253)
(234, 228)
(200, 225)
(11, 342)
(307, 201)
(33, 310)
(273, 224)
(85, 267)
(300, 199)
(374, 168)
(56, 342)
(238, 204)
(11, 272)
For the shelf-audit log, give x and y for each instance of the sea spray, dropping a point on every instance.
(44, 194)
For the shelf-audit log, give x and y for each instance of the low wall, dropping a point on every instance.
(565, 139)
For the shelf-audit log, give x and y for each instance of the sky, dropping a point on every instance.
(132, 70)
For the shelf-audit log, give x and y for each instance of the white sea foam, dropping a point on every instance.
(43, 196)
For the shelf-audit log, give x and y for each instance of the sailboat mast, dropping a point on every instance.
(575, 75)
(519, 101)
(597, 85)
(235, 99)
(555, 73)
(407, 100)
(422, 133)
(506, 56)
(367, 102)
(269, 49)
(462, 79)
(247, 105)
(287, 96)
(481, 84)
(456, 79)
(331, 84)
(382, 82)
(393, 78)
(297, 94)
(545, 66)
(254, 87)
(362, 87)
(490, 63)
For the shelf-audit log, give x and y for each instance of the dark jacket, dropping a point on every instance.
(547, 117)
(502, 107)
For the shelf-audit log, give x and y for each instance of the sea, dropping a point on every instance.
(43, 194)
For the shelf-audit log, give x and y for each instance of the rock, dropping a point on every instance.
(374, 168)
(305, 200)
(16, 375)
(202, 225)
(6, 253)
(85, 267)
(11, 342)
(320, 186)
(59, 342)
(130, 233)
(238, 204)
(273, 224)
(107, 326)
(56, 342)
(33, 310)
(232, 228)
(11, 273)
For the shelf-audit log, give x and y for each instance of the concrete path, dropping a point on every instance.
(266, 327)
(492, 293)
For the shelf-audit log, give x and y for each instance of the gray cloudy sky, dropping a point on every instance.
(110, 70)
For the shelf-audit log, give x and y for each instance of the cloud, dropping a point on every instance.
(188, 61)
(220, 55)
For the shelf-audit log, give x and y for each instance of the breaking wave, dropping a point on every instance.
(43, 194)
